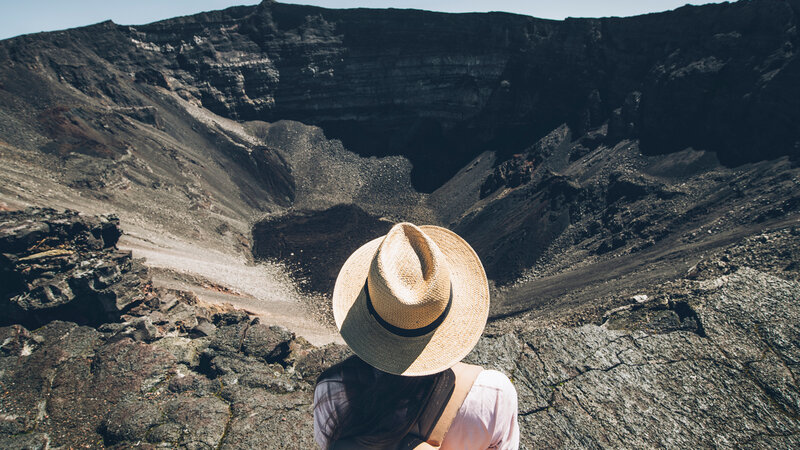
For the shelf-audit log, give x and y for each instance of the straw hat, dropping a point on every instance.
(413, 302)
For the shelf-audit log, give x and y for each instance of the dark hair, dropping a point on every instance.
(382, 408)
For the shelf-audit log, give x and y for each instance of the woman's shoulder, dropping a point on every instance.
(488, 415)
(491, 391)
(494, 380)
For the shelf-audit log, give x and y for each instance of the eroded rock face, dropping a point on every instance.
(441, 88)
(65, 266)
(571, 115)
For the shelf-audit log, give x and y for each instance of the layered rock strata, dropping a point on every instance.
(441, 88)
(599, 205)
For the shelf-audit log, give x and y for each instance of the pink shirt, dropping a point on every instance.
(486, 420)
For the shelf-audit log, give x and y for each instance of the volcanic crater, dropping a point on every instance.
(631, 185)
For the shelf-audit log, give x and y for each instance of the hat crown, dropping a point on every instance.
(408, 280)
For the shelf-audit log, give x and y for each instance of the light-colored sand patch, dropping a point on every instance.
(292, 315)
(263, 289)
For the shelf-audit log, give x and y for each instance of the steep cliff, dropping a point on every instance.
(442, 88)
(129, 114)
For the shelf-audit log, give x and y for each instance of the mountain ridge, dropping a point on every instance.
(527, 76)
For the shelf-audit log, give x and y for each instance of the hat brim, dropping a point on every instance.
(434, 352)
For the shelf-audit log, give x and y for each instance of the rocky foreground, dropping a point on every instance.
(160, 369)
(712, 361)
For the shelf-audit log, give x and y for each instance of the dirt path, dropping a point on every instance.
(216, 277)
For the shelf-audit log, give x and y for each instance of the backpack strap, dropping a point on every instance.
(465, 378)
(442, 408)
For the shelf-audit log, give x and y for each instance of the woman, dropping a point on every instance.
(411, 305)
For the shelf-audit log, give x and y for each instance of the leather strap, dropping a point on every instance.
(465, 378)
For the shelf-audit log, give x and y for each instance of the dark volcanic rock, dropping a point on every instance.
(580, 108)
(708, 353)
(545, 211)
(152, 76)
(30, 441)
(270, 343)
(310, 363)
(600, 189)
(144, 380)
(65, 266)
(17, 340)
(602, 388)
(511, 234)
(262, 419)
(127, 384)
(77, 385)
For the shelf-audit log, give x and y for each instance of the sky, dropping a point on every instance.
(31, 16)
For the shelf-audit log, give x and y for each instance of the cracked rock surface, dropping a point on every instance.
(733, 386)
